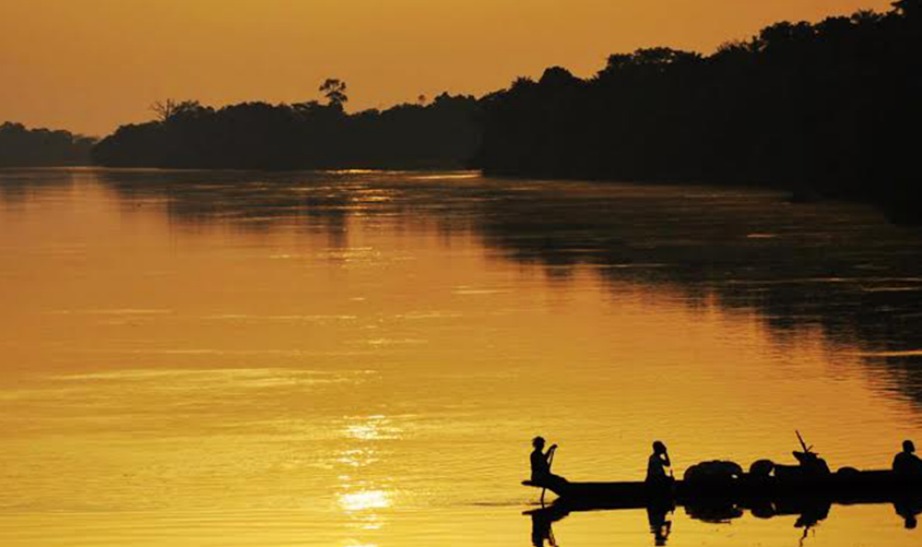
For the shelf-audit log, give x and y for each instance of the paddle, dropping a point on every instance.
(550, 462)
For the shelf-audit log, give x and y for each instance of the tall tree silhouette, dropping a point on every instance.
(335, 92)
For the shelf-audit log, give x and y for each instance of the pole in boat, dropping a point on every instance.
(802, 443)
(550, 462)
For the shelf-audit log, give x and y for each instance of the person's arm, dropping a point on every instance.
(550, 452)
(666, 459)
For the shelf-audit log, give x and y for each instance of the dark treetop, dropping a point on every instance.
(440, 134)
(823, 109)
(21, 147)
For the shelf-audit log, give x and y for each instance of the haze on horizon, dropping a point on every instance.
(90, 65)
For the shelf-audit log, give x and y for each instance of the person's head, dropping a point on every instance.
(538, 442)
(908, 447)
(659, 447)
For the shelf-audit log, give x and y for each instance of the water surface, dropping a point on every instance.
(361, 358)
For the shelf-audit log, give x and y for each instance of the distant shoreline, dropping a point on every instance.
(824, 110)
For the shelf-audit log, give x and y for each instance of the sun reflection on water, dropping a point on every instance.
(364, 500)
(363, 508)
(357, 458)
(372, 428)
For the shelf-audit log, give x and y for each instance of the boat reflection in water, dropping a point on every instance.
(809, 513)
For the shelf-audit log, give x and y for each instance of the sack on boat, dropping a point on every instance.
(716, 470)
(761, 468)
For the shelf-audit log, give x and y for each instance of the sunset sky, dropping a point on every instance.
(89, 65)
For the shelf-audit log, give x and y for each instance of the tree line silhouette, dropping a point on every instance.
(22, 147)
(824, 109)
(308, 135)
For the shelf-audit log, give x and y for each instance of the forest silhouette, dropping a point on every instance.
(308, 135)
(22, 147)
(824, 110)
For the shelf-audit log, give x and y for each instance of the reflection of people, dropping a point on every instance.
(909, 510)
(658, 464)
(541, 530)
(906, 462)
(660, 527)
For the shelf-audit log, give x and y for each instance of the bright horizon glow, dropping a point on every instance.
(91, 65)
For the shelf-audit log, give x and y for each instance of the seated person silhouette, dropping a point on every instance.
(541, 465)
(906, 462)
(657, 465)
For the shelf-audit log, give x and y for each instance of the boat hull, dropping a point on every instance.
(842, 488)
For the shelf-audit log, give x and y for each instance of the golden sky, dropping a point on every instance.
(89, 65)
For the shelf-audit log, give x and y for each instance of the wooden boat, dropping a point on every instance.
(845, 486)
(810, 506)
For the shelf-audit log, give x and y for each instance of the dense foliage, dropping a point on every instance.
(308, 135)
(21, 147)
(831, 108)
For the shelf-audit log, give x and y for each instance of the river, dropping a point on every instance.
(360, 359)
